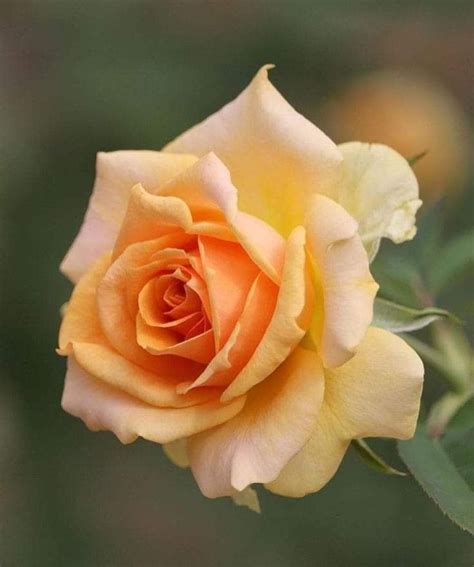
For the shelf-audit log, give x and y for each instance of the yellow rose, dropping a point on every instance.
(223, 299)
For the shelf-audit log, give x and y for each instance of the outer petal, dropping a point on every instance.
(158, 390)
(376, 394)
(276, 422)
(317, 462)
(116, 174)
(344, 286)
(81, 322)
(276, 157)
(380, 191)
(288, 324)
(102, 407)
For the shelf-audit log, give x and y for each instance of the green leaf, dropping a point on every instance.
(452, 259)
(399, 318)
(373, 460)
(458, 441)
(437, 475)
(461, 452)
(416, 158)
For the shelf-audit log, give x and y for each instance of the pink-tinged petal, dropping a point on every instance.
(104, 408)
(288, 324)
(208, 191)
(375, 394)
(276, 157)
(345, 289)
(116, 173)
(276, 422)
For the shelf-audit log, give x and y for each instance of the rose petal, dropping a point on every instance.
(103, 407)
(287, 327)
(376, 394)
(345, 289)
(159, 390)
(199, 348)
(80, 321)
(315, 465)
(380, 191)
(117, 301)
(207, 189)
(117, 173)
(229, 274)
(150, 216)
(276, 157)
(81, 332)
(244, 339)
(277, 420)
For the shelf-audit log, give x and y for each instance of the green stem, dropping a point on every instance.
(435, 359)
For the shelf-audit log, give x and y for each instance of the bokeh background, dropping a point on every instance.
(78, 77)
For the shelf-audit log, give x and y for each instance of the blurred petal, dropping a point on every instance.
(376, 394)
(116, 174)
(276, 422)
(177, 453)
(104, 408)
(380, 191)
(345, 289)
(287, 326)
(276, 157)
(248, 497)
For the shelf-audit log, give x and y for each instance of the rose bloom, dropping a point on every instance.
(223, 299)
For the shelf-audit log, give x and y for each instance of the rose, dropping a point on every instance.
(238, 335)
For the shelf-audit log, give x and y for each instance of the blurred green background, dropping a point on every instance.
(79, 77)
